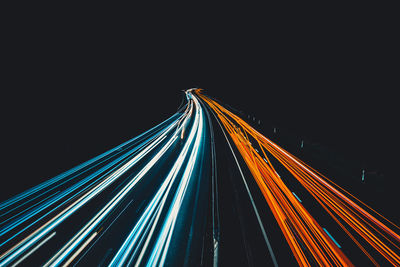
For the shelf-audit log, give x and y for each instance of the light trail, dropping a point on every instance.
(302, 232)
(78, 187)
(47, 184)
(164, 238)
(20, 247)
(33, 250)
(105, 182)
(145, 227)
(101, 215)
(154, 201)
(84, 245)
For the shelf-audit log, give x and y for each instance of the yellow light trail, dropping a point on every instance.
(302, 232)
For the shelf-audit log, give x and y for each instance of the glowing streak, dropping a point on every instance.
(334, 199)
(161, 247)
(19, 248)
(84, 245)
(152, 213)
(73, 243)
(64, 193)
(57, 178)
(34, 249)
(107, 209)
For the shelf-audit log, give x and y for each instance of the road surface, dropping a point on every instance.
(203, 188)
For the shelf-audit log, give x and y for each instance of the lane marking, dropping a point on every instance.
(251, 199)
(333, 239)
(296, 197)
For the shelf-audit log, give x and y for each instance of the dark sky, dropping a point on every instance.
(78, 81)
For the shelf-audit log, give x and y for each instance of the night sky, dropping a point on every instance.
(78, 81)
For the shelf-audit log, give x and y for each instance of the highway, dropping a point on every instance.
(203, 188)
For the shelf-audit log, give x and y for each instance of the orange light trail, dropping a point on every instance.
(303, 233)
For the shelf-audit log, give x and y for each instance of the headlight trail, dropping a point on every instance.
(300, 229)
(31, 218)
(54, 201)
(28, 241)
(151, 216)
(76, 170)
(131, 147)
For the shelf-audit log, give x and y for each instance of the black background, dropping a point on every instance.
(77, 81)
